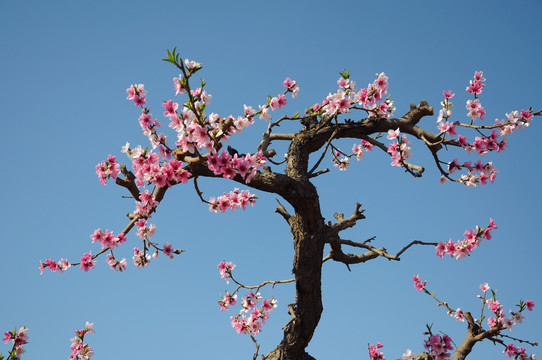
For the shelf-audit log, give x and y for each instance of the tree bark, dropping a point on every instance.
(308, 230)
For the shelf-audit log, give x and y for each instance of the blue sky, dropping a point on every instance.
(65, 68)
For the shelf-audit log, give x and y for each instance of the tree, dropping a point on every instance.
(200, 152)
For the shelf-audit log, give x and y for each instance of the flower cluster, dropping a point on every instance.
(447, 128)
(225, 269)
(358, 150)
(144, 231)
(400, 150)
(146, 204)
(518, 353)
(137, 93)
(347, 97)
(274, 103)
(482, 144)
(418, 284)
(141, 258)
(148, 126)
(438, 346)
(116, 264)
(479, 173)
(232, 200)
(107, 239)
(227, 300)
(62, 265)
(19, 338)
(340, 160)
(81, 350)
(250, 318)
(515, 120)
(228, 166)
(476, 85)
(87, 261)
(475, 110)
(108, 169)
(464, 247)
(291, 85)
(148, 168)
(499, 319)
(446, 111)
(374, 354)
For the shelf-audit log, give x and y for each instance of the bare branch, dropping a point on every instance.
(198, 191)
(336, 253)
(349, 222)
(323, 153)
(318, 173)
(415, 242)
(255, 344)
(259, 286)
(282, 211)
(128, 182)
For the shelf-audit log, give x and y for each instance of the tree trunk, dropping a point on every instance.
(308, 230)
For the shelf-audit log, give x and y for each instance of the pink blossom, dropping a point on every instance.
(381, 82)
(358, 151)
(87, 262)
(342, 82)
(168, 250)
(393, 134)
(170, 107)
(114, 264)
(7, 337)
(191, 64)
(288, 83)
(484, 287)
(494, 306)
(491, 322)
(264, 112)
(178, 85)
(462, 140)
(227, 300)
(139, 100)
(418, 284)
(278, 102)
(529, 304)
(225, 269)
(438, 346)
(527, 114)
(459, 316)
(249, 111)
(374, 354)
(140, 258)
(448, 94)
(475, 85)
(107, 169)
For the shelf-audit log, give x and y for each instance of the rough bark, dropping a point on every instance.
(307, 227)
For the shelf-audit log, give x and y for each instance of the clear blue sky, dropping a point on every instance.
(64, 69)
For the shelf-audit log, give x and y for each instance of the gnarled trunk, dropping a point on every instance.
(308, 230)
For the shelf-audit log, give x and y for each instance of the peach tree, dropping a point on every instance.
(366, 115)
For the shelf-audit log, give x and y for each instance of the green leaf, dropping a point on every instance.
(345, 74)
